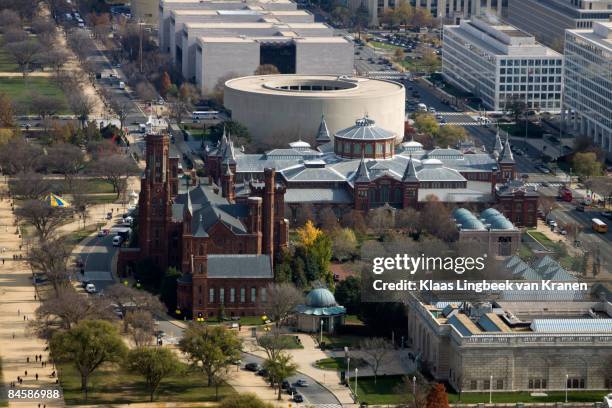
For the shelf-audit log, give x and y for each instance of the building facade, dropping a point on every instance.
(223, 245)
(277, 109)
(547, 20)
(502, 346)
(588, 84)
(448, 11)
(501, 64)
(361, 169)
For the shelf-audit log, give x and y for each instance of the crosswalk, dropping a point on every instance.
(461, 123)
(538, 185)
(325, 405)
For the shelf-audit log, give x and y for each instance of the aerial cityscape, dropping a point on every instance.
(296, 203)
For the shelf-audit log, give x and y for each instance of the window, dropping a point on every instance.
(499, 384)
(575, 383)
(253, 295)
(222, 295)
(232, 295)
(347, 147)
(487, 384)
(473, 385)
(242, 295)
(211, 295)
(357, 148)
(537, 383)
(368, 149)
(379, 148)
(264, 294)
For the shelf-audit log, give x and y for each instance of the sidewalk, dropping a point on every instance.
(16, 303)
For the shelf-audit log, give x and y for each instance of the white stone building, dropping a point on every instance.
(548, 19)
(500, 63)
(587, 80)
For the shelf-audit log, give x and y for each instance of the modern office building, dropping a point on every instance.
(253, 14)
(588, 83)
(552, 341)
(166, 7)
(547, 20)
(279, 109)
(146, 11)
(449, 11)
(500, 64)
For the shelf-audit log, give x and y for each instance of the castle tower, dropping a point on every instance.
(227, 184)
(322, 133)
(410, 186)
(506, 163)
(268, 211)
(362, 184)
(255, 218)
(155, 208)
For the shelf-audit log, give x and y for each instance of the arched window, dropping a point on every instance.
(368, 149)
(357, 148)
(347, 147)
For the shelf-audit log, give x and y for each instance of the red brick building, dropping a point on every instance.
(223, 246)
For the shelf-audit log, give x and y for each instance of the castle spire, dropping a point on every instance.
(410, 173)
(506, 154)
(323, 132)
(362, 175)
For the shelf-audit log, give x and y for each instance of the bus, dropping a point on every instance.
(599, 226)
(198, 115)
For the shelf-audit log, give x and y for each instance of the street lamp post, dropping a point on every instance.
(348, 370)
(490, 389)
(321, 335)
(414, 387)
(356, 377)
(566, 381)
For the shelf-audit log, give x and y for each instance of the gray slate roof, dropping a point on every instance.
(242, 266)
(365, 129)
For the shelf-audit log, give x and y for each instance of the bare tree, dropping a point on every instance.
(15, 34)
(141, 327)
(130, 300)
(66, 159)
(266, 69)
(328, 219)
(24, 53)
(30, 185)
(19, 156)
(55, 58)
(377, 352)
(80, 42)
(51, 258)
(547, 205)
(9, 19)
(44, 105)
(381, 219)
(121, 107)
(146, 91)
(408, 219)
(45, 29)
(81, 105)
(45, 218)
(282, 300)
(573, 230)
(115, 169)
(67, 309)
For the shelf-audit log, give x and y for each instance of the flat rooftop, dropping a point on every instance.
(174, 2)
(248, 12)
(287, 36)
(313, 26)
(600, 34)
(314, 86)
(523, 317)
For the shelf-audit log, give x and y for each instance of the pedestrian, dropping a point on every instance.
(24, 318)
(2, 261)
(36, 376)
(40, 357)
(28, 360)
(13, 335)
(35, 296)
(26, 373)
(18, 312)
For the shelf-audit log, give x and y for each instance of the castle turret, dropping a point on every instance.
(361, 181)
(506, 163)
(268, 211)
(410, 185)
(322, 133)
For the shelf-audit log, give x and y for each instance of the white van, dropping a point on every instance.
(421, 107)
(142, 128)
(121, 85)
(117, 240)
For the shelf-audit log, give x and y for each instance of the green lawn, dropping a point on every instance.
(339, 363)
(352, 319)
(511, 397)
(7, 63)
(112, 385)
(74, 238)
(102, 198)
(385, 391)
(541, 238)
(18, 90)
(340, 341)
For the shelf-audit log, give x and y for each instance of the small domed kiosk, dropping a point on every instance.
(320, 308)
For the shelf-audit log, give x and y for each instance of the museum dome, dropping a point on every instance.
(321, 297)
(364, 139)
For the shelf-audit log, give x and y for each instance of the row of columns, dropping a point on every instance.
(463, 6)
(580, 124)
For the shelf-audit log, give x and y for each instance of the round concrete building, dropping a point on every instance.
(278, 109)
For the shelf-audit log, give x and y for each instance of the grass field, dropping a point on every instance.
(339, 363)
(385, 391)
(340, 341)
(112, 385)
(377, 44)
(18, 90)
(541, 238)
(7, 63)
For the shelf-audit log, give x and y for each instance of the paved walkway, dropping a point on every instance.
(16, 303)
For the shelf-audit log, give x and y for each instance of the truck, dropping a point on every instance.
(565, 194)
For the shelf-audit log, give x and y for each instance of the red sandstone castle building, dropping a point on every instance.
(223, 245)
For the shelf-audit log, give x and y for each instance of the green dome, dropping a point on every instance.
(320, 297)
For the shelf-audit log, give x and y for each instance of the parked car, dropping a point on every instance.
(285, 385)
(90, 288)
(252, 367)
(298, 398)
(543, 169)
(301, 383)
